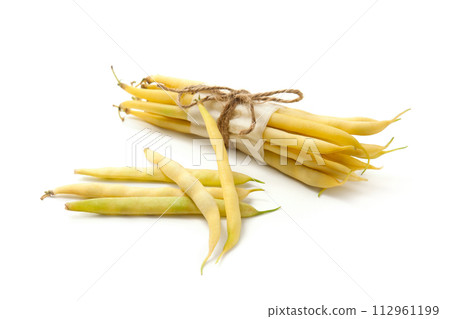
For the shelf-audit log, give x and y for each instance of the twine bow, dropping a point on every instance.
(231, 99)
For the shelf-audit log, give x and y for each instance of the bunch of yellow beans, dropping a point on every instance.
(333, 160)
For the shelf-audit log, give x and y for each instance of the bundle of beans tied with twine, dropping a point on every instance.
(331, 158)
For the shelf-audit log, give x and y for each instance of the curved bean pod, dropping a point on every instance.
(230, 195)
(195, 190)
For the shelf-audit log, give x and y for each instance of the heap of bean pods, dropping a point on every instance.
(213, 193)
(199, 192)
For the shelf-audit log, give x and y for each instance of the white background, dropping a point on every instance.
(384, 241)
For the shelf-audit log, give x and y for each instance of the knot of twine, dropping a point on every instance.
(230, 99)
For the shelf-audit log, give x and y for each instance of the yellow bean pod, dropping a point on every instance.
(301, 173)
(374, 150)
(162, 121)
(349, 126)
(314, 129)
(329, 167)
(171, 111)
(208, 177)
(190, 185)
(349, 161)
(172, 82)
(98, 190)
(230, 195)
(323, 147)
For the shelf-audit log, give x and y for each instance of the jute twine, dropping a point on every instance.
(230, 99)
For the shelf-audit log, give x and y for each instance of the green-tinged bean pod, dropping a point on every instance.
(142, 206)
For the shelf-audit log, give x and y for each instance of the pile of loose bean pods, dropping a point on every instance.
(199, 192)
